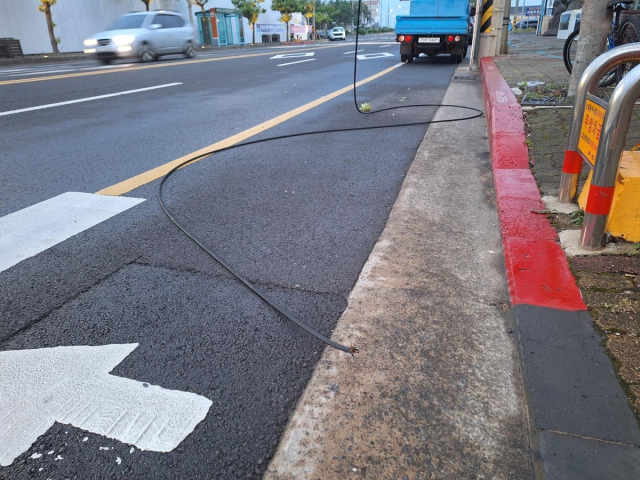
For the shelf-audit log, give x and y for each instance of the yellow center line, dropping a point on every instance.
(161, 65)
(149, 176)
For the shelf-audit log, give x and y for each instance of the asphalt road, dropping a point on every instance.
(297, 216)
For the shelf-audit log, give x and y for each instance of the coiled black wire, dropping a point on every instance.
(258, 291)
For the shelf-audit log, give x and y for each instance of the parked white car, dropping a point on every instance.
(144, 35)
(337, 33)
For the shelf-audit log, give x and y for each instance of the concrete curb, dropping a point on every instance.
(537, 268)
(40, 59)
(580, 424)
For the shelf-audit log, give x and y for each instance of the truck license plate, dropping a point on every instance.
(429, 40)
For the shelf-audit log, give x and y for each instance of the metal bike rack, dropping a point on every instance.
(612, 140)
(610, 143)
(588, 84)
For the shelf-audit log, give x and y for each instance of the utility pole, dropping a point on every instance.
(190, 13)
(388, 13)
(506, 20)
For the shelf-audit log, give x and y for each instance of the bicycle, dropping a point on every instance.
(621, 33)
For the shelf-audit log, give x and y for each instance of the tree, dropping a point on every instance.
(594, 28)
(309, 10)
(324, 13)
(286, 8)
(205, 25)
(197, 3)
(250, 10)
(45, 7)
(344, 13)
(365, 15)
(148, 2)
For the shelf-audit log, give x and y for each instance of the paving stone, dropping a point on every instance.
(592, 281)
(617, 302)
(618, 322)
(609, 264)
(626, 350)
(635, 391)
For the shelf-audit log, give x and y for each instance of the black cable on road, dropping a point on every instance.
(259, 292)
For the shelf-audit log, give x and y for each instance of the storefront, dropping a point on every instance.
(271, 32)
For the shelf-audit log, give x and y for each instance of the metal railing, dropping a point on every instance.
(611, 141)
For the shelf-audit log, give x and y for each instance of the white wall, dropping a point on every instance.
(77, 19)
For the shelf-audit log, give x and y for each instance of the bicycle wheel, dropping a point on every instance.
(570, 49)
(629, 33)
(569, 52)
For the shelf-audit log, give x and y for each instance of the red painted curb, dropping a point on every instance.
(539, 275)
(511, 212)
(537, 268)
(511, 151)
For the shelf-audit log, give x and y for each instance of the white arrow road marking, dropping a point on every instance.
(299, 61)
(371, 56)
(72, 385)
(293, 55)
(352, 51)
(34, 229)
(88, 99)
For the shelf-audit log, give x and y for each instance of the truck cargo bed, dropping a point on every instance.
(412, 24)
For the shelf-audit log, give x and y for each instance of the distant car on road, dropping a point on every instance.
(527, 24)
(337, 33)
(143, 35)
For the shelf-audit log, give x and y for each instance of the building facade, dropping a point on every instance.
(78, 19)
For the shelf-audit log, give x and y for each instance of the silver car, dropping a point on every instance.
(143, 35)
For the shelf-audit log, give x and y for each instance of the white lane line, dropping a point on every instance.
(13, 70)
(293, 55)
(88, 99)
(39, 68)
(371, 56)
(299, 61)
(40, 72)
(385, 46)
(107, 67)
(352, 51)
(34, 229)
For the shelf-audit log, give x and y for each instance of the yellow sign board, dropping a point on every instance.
(590, 131)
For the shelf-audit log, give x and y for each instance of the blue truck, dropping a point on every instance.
(434, 27)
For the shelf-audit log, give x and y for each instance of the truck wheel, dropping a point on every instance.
(456, 58)
(410, 58)
(403, 57)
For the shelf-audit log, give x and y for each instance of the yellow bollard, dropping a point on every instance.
(624, 219)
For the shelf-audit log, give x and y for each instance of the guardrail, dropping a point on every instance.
(597, 134)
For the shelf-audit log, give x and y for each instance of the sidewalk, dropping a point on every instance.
(436, 391)
(583, 425)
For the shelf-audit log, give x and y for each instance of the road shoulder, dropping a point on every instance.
(436, 389)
